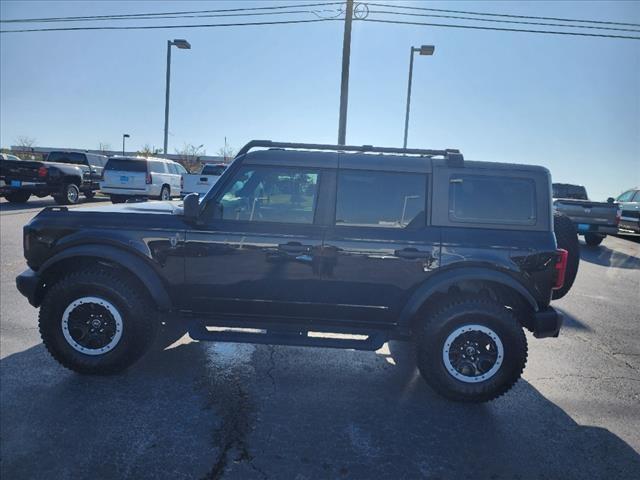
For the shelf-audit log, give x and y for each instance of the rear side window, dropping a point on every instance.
(212, 170)
(157, 167)
(492, 200)
(126, 165)
(67, 157)
(172, 168)
(380, 199)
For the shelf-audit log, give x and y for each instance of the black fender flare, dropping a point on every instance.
(135, 265)
(441, 282)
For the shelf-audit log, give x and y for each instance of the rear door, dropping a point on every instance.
(126, 173)
(380, 246)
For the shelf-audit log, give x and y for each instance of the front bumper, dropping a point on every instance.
(546, 323)
(29, 283)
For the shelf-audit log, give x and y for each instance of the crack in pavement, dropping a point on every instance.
(607, 352)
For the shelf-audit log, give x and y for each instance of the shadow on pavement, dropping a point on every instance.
(606, 257)
(288, 412)
(569, 321)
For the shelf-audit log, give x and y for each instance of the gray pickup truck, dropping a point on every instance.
(592, 219)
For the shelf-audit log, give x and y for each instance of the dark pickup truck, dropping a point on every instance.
(64, 175)
(592, 219)
(319, 246)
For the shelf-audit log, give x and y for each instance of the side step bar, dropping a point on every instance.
(373, 341)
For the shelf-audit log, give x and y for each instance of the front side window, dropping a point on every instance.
(271, 194)
(492, 200)
(380, 199)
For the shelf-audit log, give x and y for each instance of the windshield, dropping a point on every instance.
(127, 165)
(575, 192)
(67, 157)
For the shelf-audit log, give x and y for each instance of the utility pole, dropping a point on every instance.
(344, 85)
(166, 98)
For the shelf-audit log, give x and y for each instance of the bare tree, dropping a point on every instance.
(104, 147)
(227, 152)
(190, 155)
(25, 142)
(147, 150)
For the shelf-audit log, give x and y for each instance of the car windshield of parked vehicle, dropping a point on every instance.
(126, 165)
(271, 194)
(626, 196)
(380, 199)
(213, 169)
(569, 191)
(67, 157)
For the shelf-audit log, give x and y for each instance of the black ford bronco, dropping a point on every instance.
(313, 245)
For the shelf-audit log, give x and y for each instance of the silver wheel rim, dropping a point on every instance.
(72, 194)
(102, 303)
(165, 194)
(480, 376)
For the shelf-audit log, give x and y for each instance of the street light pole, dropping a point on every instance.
(166, 98)
(423, 50)
(182, 44)
(124, 136)
(344, 84)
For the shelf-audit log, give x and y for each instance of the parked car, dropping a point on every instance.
(300, 247)
(8, 156)
(629, 203)
(594, 220)
(64, 175)
(139, 177)
(203, 181)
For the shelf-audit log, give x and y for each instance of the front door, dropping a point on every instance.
(257, 254)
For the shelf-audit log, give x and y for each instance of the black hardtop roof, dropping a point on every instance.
(371, 161)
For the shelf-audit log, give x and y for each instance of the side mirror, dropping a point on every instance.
(610, 200)
(191, 206)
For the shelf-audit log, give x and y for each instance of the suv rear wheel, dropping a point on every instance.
(165, 193)
(96, 321)
(471, 350)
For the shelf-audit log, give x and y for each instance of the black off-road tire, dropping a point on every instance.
(136, 309)
(17, 197)
(432, 334)
(592, 239)
(567, 238)
(69, 194)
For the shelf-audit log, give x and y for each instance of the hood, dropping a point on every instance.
(154, 207)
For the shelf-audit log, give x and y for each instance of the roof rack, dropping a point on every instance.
(453, 156)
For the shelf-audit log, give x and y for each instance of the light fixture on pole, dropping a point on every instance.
(124, 137)
(184, 45)
(423, 50)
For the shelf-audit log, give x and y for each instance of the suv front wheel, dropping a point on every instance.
(96, 321)
(471, 350)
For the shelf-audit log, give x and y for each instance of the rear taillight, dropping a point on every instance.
(561, 268)
(42, 172)
(148, 180)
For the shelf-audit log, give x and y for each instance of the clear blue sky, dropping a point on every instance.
(569, 103)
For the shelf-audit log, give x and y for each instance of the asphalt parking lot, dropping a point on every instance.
(210, 411)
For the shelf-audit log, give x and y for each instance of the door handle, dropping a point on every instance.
(294, 247)
(413, 253)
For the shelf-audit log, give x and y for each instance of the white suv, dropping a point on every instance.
(129, 177)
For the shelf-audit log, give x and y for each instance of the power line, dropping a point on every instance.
(134, 16)
(154, 27)
(505, 15)
(473, 27)
(502, 21)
